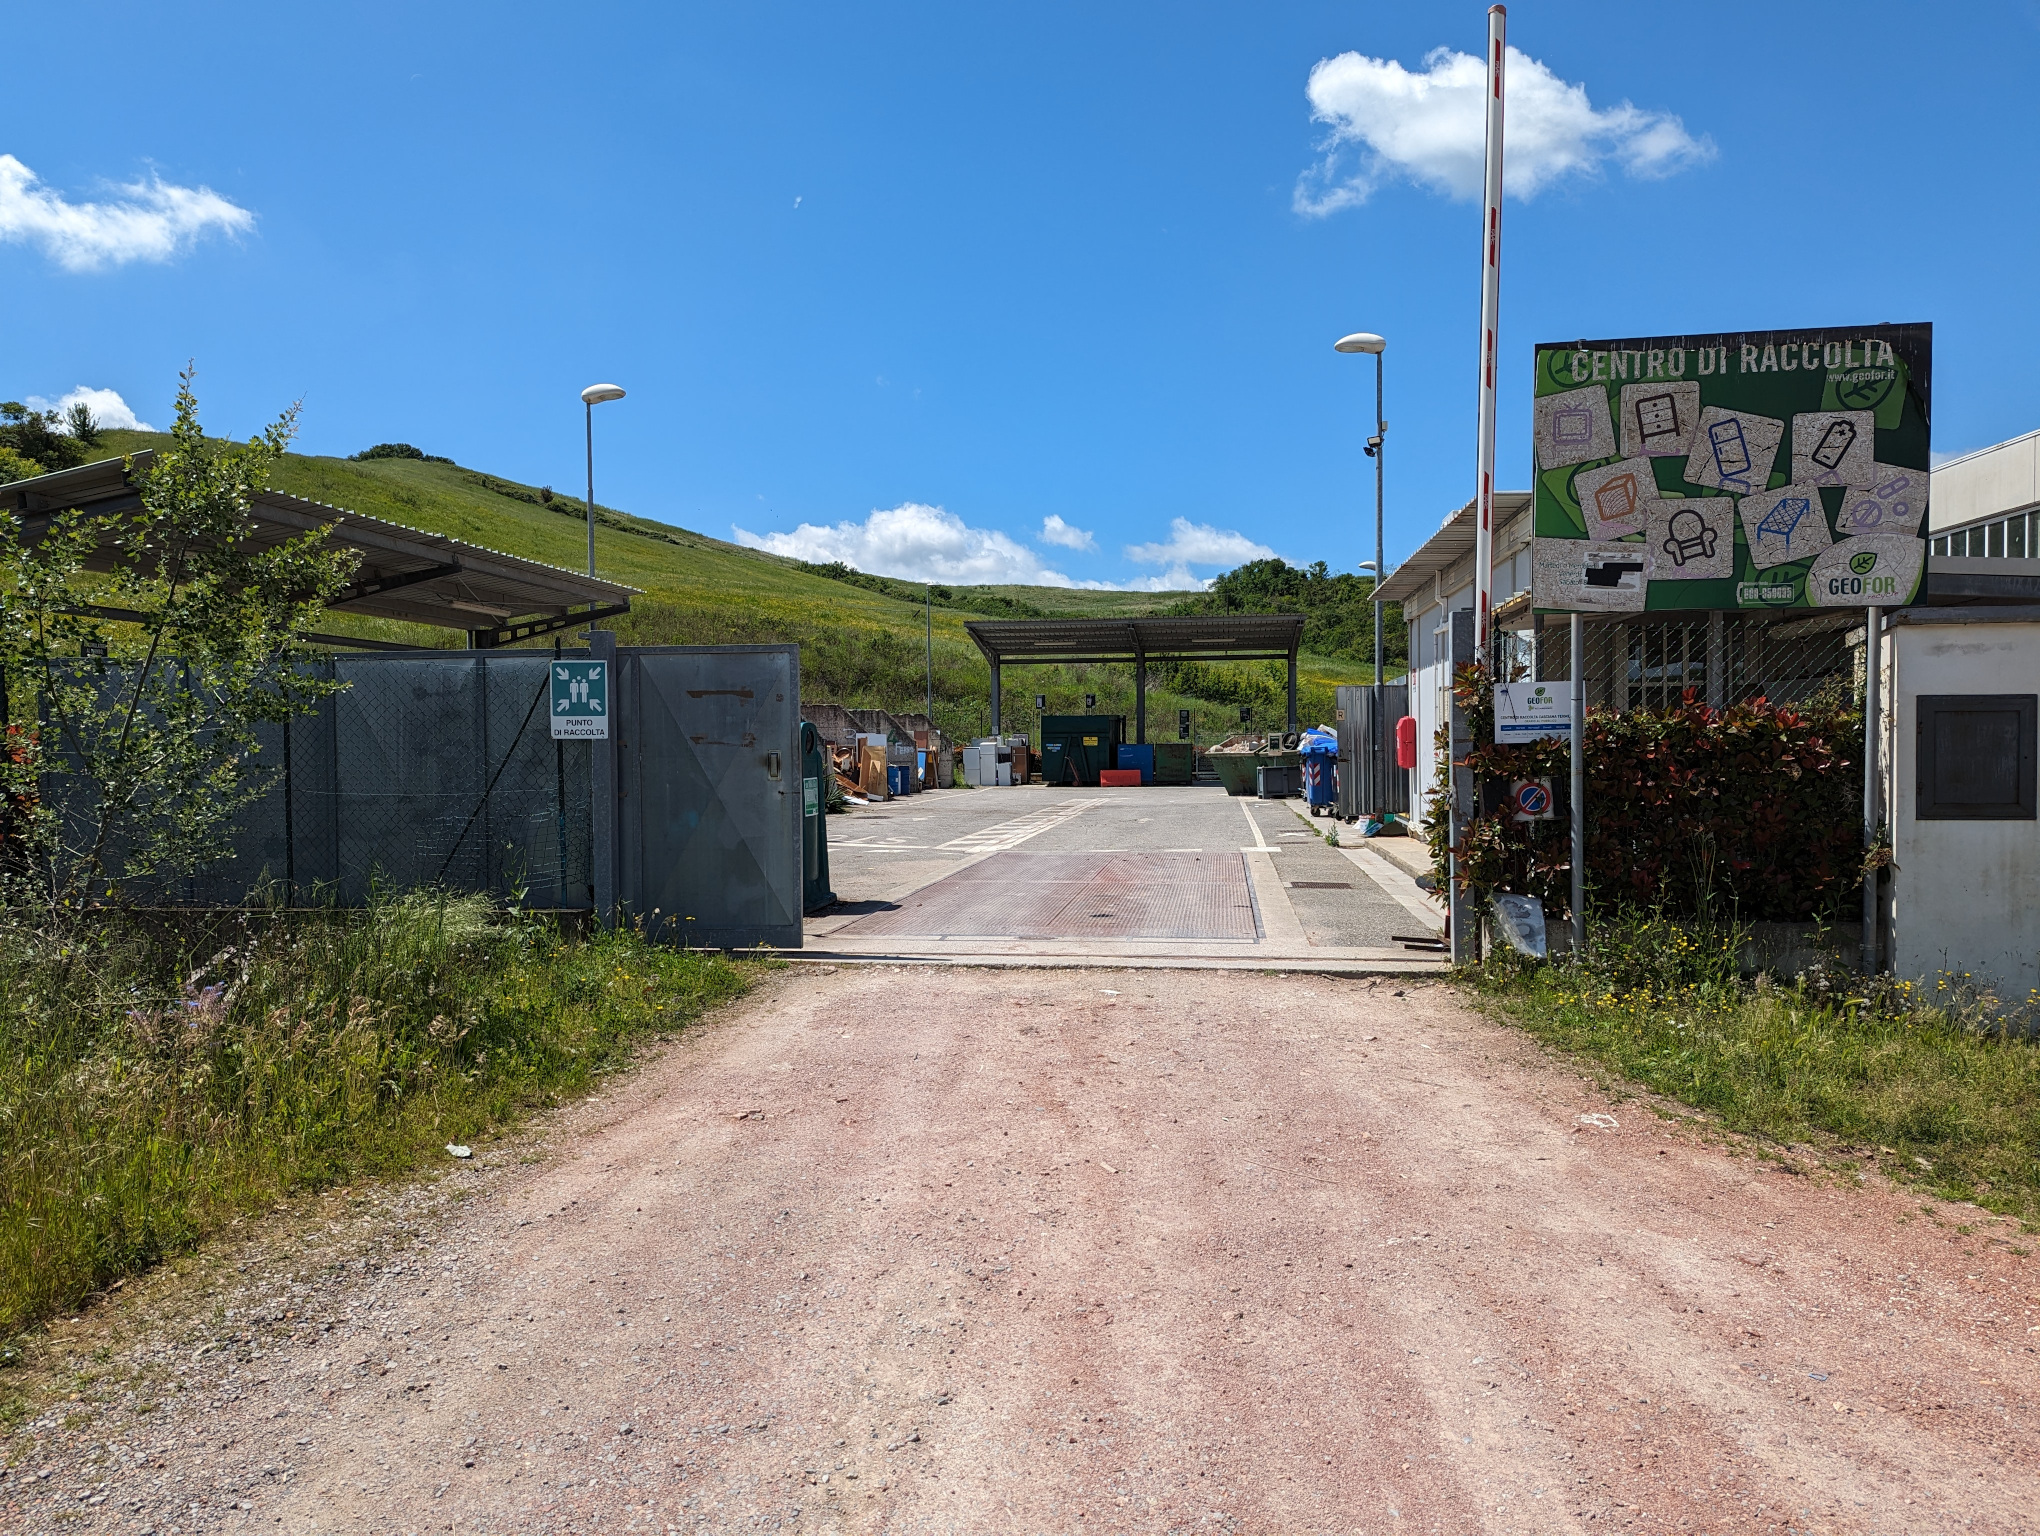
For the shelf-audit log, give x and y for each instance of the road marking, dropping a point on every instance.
(1011, 834)
(1261, 843)
(1280, 926)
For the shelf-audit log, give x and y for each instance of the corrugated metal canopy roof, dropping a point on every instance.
(404, 573)
(1212, 637)
(1453, 541)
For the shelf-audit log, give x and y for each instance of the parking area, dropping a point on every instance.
(1160, 875)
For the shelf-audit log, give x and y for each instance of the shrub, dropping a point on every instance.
(1752, 809)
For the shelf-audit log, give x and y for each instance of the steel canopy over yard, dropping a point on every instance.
(1215, 637)
(405, 574)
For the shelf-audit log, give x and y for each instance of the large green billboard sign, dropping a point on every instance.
(1754, 469)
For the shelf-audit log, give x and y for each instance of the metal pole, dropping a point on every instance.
(1873, 687)
(931, 661)
(1578, 672)
(1376, 775)
(1462, 917)
(1490, 320)
(590, 409)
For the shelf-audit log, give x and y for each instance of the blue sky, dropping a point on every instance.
(973, 269)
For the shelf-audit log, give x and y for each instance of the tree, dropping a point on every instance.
(144, 745)
(81, 425)
(39, 435)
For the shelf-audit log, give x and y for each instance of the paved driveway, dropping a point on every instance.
(1157, 875)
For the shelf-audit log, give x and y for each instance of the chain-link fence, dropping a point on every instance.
(1651, 661)
(426, 768)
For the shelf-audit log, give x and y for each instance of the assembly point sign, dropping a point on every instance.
(580, 701)
(1756, 469)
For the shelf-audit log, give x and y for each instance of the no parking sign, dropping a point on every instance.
(1530, 799)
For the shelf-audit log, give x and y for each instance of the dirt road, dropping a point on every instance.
(973, 1251)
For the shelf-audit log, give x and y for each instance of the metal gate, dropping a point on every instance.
(708, 814)
(1369, 779)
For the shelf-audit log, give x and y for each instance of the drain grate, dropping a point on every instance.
(1320, 885)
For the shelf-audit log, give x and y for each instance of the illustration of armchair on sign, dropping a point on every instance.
(1688, 537)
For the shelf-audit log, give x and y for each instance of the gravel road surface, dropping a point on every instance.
(928, 1250)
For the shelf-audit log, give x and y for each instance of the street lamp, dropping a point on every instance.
(591, 397)
(1367, 341)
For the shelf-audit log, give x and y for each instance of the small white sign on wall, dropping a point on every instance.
(1532, 711)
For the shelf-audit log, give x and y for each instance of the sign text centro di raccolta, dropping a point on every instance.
(1742, 470)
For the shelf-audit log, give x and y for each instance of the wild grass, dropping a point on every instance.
(1936, 1086)
(863, 641)
(154, 1084)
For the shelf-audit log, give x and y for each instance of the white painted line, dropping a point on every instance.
(1247, 810)
(1010, 834)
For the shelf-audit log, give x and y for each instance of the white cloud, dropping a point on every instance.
(152, 220)
(1431, 128)
(1055, 531)
(107, 408)
(917, 543)
(1191, 544)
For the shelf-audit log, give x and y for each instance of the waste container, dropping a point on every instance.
(1278, 781)
(1137, 757)
(1074, 748)
(1175, 761)
(1318, 751)
(896, 779)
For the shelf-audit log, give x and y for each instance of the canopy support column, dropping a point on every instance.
(1293, 726)
(995, 698)
(1139, 696)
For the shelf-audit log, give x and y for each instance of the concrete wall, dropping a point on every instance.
(1990, 481)
(1966, 894)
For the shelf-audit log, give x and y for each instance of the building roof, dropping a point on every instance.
(1451, 543)
(1990, 482)
(404, 573)
(1207, 637)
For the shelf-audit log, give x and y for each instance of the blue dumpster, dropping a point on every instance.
(896, 779)
(1142, 757)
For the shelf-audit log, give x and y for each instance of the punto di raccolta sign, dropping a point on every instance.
(1753, 469)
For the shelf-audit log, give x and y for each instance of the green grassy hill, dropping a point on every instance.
(862, 638)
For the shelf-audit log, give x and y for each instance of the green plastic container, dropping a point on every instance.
(1175, 762)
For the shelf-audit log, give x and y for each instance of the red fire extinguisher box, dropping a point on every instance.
(1406, 742)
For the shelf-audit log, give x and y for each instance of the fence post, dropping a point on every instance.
(1465, 941)
(605, 761)
(1872, 698)
(1578, 786)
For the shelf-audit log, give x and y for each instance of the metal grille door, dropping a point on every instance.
(710, 793)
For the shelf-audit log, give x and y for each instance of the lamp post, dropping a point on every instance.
(591, 397)
(1367, 341)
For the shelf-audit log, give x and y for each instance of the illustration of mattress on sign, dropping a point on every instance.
(1658, 419)
(1834, 447)
(1592, 575)
(1734, 450)
(1894, 502)
(1611, 497)
(1691, 539)
(1876, 571)
(1784, 525)
(1573, 427)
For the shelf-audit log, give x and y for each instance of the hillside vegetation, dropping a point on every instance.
(863, 638)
